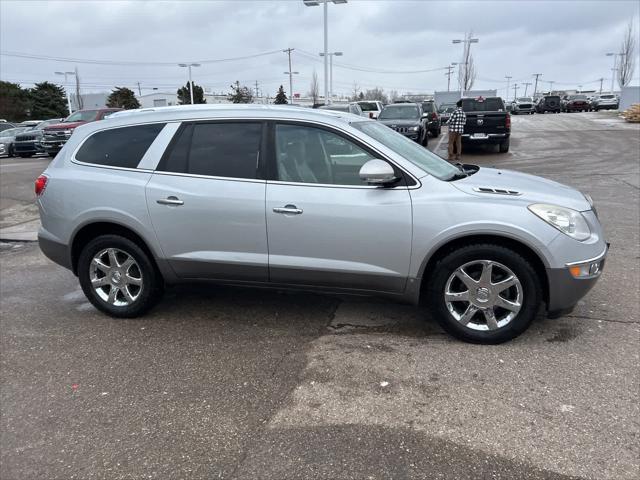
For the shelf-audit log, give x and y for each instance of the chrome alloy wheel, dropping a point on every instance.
(116, 277)
(483, 295)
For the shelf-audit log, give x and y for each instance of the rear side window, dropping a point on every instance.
(216, 149)
(485, 105)
(119, 147)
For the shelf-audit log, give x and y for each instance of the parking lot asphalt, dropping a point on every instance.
(221, 382)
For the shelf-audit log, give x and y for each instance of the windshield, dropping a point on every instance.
(525, 99)
(447, 107)
(13, 131)
(482, 105)
(408, 149)
(82, 116)
(400, 112)
(607, 96)
(577, 97)
(368, 106)
(46, 123)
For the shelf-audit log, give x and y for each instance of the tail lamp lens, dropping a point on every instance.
(41, 184)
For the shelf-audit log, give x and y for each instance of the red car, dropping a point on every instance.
(55, 136)
(577, 103)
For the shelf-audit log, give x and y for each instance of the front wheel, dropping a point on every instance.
(425, 138)
(484, 293)
(118, 277)
(26, 155)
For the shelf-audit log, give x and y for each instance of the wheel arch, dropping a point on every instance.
(89, 231)
(528, 252)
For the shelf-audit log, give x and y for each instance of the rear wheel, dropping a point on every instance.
(424, 141)
(484, 293)
(118, 277)
(504, 146)
(26, 155)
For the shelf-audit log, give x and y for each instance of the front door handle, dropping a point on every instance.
(288, 209)
(170, 201)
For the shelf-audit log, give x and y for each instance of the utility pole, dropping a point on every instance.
(288, 51)
(601, 80)
(448, 74)
(66, 88)
(508, 77)
(551, 82)
(139, 90)
(256, 89)
(535, 88)
(515, 90)
(526, 86)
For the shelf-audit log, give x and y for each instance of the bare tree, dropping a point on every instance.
(78, 96)
(393, 96)
(355, 92)
(376, 94)
(628, 58)
(314, 89)
(467, 69)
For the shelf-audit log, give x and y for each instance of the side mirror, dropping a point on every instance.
(377, 172)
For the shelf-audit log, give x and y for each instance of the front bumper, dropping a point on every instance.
(565, 290)
(28, 147)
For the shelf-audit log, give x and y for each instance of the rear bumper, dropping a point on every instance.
(565, 290)
(54, 250)
(490, 138)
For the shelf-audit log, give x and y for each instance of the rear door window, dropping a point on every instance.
(119, 147)
(217, 149)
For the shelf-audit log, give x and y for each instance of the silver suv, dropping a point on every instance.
(296, 198)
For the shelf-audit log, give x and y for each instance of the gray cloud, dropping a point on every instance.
(566, 41)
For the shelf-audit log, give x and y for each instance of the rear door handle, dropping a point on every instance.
(170, 201)
(288, 209)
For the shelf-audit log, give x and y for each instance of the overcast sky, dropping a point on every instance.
(565, 41)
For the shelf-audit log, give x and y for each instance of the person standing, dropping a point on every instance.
(456, 129)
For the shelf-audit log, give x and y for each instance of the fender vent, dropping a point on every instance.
(497, 191)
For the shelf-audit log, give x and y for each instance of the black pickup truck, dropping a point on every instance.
(488, 122)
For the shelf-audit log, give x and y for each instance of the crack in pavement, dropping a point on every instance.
(603, 319)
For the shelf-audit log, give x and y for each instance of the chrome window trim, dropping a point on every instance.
(309, 122)
(208, 177)
(88, 164)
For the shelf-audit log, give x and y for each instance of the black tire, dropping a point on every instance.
(26, 155)
(10, 152)
(150, 291)
(504, 146)
(435, 132)
(525, 273)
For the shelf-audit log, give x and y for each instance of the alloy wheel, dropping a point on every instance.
(483, 295)
(116, 277)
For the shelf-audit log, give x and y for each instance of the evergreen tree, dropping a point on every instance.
(281, 97)
(240, 94)
(14, 102)
(184, 97)
(48, 101)
(122, 97)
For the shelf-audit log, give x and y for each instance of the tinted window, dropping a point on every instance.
(216, 150)
(399, 112)
(83, 116)
(368, 106)
(314, 155)
(119, 147)
(485, 105)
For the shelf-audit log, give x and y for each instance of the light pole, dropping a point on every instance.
(189, 65)
(515, 91)
(535, 88)
(526, 86)
(448, 74)
(508, 77)
(466, 51)
(551, 82)
(315, 3)
(614, 69)
(66, 89)
(290, 73)
(331, 55)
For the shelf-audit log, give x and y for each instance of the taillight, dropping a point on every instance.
(41, 184)
(434, 116)
(370, 114)
(507, 122)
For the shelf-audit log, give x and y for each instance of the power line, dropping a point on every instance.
(126, 63)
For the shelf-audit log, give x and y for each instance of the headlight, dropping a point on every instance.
(568, 221)
(68, 132)
(414, 129)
